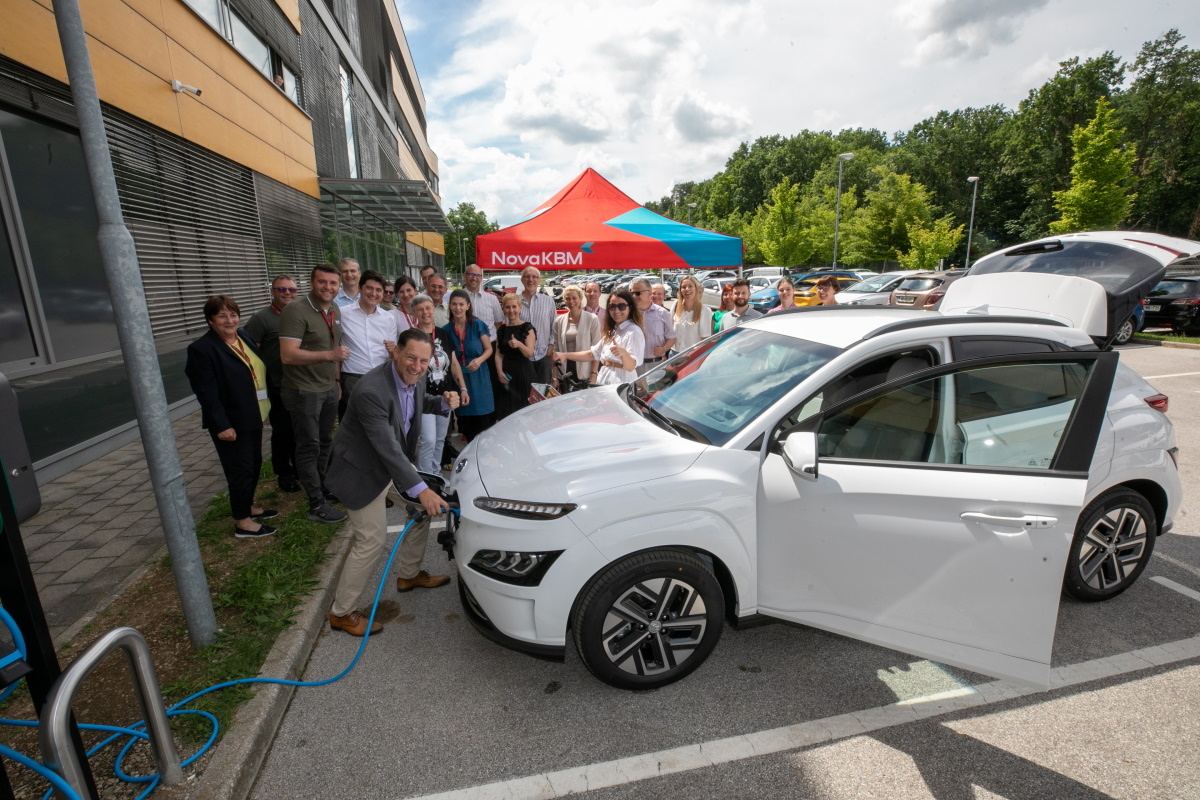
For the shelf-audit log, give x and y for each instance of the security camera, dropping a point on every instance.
(182, 87)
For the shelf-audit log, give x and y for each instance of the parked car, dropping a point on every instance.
(768, 297)
(1172, 297)
(503, 284)
(714, 286)
(929, 483)
(924, 290)
(872, 291)
(806, 288)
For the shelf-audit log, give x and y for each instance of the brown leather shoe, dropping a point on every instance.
(423, 580)
(354, 623)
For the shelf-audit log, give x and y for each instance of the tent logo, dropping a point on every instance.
(586, 247)
(555, 258)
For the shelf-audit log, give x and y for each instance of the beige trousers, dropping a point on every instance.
(369, 529)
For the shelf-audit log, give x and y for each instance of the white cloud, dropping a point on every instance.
(655, 92)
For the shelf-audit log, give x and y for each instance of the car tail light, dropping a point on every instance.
(1158, 402)
(934, 297)
(1187, 301)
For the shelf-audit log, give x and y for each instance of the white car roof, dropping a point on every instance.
(840, 326)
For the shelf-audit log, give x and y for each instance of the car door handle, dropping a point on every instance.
(1027, 521)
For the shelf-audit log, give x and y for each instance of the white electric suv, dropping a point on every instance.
(919, 480)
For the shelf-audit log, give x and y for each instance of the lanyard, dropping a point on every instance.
(460, 341)
(240, 351)
(328, 317)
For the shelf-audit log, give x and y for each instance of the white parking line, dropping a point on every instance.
(1172, 375)
(1170, 584)
(1180, 564)
(778, 740)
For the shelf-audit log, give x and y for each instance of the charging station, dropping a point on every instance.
(19, 501)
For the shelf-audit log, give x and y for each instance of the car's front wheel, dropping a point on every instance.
(649, 620)
(1113, 542)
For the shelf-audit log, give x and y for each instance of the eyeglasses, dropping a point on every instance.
(619, 306)
(286, 290)
(474, 274)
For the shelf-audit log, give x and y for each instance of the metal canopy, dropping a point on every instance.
(381, 205)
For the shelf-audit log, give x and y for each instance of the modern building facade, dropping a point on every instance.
(249, 138)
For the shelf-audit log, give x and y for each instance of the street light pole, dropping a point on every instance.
(462, 254)
(974, 181)
(690, 206)
(837, 214)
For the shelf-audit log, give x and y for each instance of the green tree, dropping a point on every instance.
(468, 223)
(1161, 111)
(1038, 146)
(880, 232)
(929, 245)
(1101, 173)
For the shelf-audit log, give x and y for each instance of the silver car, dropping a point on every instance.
(873, 290)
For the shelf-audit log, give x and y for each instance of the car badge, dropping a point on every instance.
(459, 466)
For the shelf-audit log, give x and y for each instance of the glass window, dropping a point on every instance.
(725, 383)
(1118, 269)
(212, 11)
(290, 87)
(1008, 416)
(1186, 288)
(919, 284)
(54, 196)
(16, 337)
(348, 113)
(246, 42)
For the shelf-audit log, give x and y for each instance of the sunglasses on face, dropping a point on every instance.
(619, 306)
(285, 290)
(639, 293)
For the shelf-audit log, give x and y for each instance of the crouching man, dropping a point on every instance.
(373, 456)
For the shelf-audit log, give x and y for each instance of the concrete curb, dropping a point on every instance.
(233, 767)
(1160, 343)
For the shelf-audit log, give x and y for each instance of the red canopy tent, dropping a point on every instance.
(592, 225)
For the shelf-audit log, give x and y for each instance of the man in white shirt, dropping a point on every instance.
(742, 312)
(656, 322)
(436, 288)
(369, 332)
(538, 310)
(484, 305)
(348, 269)
(658, 293)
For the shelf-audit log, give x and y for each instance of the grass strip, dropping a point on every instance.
(255, 599)
(1167, 337)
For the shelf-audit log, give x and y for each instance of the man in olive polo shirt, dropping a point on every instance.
(263, 328)
(310, 347)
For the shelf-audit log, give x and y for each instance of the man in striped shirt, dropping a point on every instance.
(538, 310)
(657, 323)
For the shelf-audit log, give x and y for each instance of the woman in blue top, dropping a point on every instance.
(474, 348)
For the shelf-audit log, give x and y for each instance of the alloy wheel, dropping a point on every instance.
(654, 626)
(1113, 548)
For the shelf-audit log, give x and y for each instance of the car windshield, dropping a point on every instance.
(872, 284)
(717, 388)
(919, 284)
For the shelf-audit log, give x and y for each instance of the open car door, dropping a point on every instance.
(933, 515)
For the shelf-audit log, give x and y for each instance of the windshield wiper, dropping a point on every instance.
(673, 425)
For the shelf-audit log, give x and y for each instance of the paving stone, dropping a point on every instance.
(48, 551)
(33, 541)
(105, 581)
(85, 570)
(75, 531)
(107, 513)
(52, 595)
(96, 540)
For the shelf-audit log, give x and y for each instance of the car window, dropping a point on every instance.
(1007, 416)
(919, 284)
(966, 348)
(727, 381)
(859, 379)
(1173, 287)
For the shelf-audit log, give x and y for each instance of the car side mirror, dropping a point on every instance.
(800, 454)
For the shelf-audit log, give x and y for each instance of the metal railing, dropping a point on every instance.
(54, 734)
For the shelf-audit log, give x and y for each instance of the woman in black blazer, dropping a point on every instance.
(228, 376)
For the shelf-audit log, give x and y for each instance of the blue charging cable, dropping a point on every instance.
(137, 731)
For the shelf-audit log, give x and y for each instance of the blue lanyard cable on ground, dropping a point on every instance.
(136, 732)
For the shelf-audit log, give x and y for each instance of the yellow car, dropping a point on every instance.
(806, 290)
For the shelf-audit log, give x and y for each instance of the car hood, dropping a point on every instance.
(576, 445)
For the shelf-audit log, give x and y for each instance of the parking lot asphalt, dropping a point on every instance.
(778, 711)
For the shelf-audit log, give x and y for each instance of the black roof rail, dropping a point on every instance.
(952, 320)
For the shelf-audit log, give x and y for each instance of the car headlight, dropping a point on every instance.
(512, 566)
(515, 508)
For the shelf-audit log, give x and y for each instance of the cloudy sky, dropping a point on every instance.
(522, 95)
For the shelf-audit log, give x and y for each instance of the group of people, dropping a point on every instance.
(391, 361)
